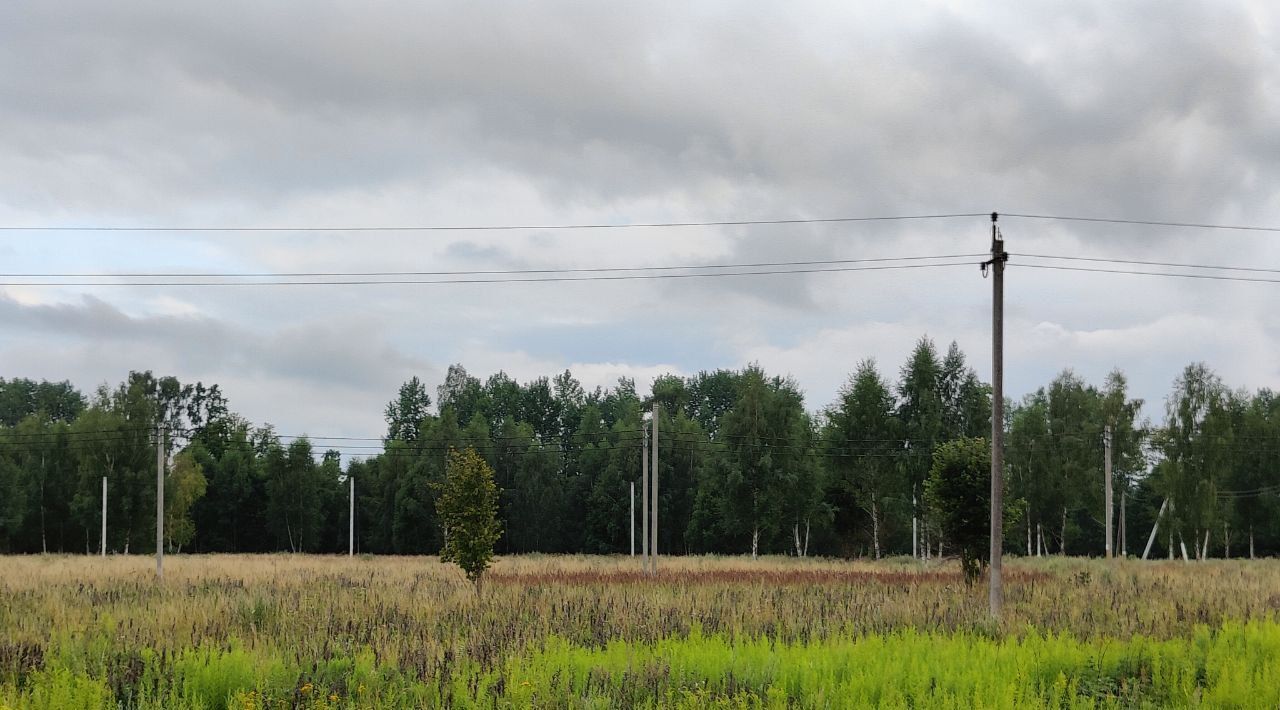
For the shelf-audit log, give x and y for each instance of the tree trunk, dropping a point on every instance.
(1204, 549)
(1251, 542)
(795, 531)
(806, 537)
(1171, 545)
(1226, 540)
(875, 525)
(1039, 540)
(1182, 544)
(755, 543)
(1028, 536)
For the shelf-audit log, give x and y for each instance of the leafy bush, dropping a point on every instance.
(958, 492)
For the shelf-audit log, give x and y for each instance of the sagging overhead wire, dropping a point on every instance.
(1139, 262)
(1134, 272)
(495, 272)
(514, 278)
(486, 228)
(624, 225)
(1143, 222)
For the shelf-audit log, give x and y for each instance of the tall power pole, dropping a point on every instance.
(159, 501)
(644, 495)
(1106, 449)
(633, 518)
(104, 516)
(998, 259)
(351, 518)
(1124, 542)
(653, 561)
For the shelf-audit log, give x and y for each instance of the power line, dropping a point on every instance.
(598, 269)
(551, 279)
(130, 435)
(1254, 493)
(1130, 272)
(625, 225)
(1138, 262)
(533, 448)
(1145, 222)
(489, 228)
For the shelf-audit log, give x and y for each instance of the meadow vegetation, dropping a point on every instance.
(550, 631)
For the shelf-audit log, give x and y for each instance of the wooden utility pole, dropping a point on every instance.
(644, 495)
(1106, 448)
(104, 516)
(998, 259)
(633, 518)
(351, 518)
(653, 547)
(159, 501)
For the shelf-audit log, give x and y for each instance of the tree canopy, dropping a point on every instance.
(745, 464)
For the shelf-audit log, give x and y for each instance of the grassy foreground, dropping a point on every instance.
(331, 632)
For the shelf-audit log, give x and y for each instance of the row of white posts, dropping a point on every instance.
(160, 471)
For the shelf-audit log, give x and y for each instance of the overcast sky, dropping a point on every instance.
(333, 114)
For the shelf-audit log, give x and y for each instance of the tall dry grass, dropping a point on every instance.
(101, 617)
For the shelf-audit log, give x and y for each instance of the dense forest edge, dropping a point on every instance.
(744, 466)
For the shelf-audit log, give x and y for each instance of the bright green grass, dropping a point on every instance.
(1236, 665)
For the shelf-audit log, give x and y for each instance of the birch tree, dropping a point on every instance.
(861, 442)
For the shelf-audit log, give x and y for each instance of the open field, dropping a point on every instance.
(330, 632)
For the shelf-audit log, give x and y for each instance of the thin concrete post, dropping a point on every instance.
(653, 562)
(104, 516)
(644, 495)
(1106, 446)
(159, 501)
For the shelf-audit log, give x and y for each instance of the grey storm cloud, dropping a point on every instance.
(322, 355)
(1098, 106)
(336, 113)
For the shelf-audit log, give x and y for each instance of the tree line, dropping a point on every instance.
(745, 466)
